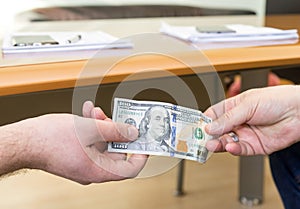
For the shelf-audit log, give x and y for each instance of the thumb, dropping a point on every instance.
(116, 132)
(233, 117)
(90, 131)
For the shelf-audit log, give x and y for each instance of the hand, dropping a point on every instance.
(89, 111)
(265, 120)
(65, 145)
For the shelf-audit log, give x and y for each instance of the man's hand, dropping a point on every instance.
(265, 120)
(70, 146)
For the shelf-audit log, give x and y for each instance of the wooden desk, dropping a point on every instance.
(17, 77)
(47, 86)
(58, 75)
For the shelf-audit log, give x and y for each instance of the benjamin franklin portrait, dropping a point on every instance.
(154, 131)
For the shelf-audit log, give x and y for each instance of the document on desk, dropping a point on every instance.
(237, 35)
(164, 129)
(27, 42)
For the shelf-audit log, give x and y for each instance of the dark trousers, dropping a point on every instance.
(285, 167)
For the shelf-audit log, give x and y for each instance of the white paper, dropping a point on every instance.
(244, 36)
(88, 41)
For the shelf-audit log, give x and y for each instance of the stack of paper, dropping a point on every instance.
(61, 41)
(238, 35)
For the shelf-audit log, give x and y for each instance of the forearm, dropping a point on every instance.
(14, 147)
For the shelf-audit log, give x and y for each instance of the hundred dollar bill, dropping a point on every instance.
(164, 129)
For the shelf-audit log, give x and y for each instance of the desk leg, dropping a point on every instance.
(252, 168)
(215, 90)
(180, 175)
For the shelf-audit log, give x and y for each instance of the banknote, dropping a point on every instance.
(164, 129)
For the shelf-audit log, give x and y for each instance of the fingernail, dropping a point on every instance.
(132, 132)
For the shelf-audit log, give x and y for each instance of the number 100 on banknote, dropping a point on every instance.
(164, 129)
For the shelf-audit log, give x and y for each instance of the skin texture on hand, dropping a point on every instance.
(70, 146)
(266, 120)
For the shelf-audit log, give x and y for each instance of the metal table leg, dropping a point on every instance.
(180, 175)
(215, 90)
(252, 168)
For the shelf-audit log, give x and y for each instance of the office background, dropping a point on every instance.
(285, 7)
(282, 6)
(39, 190)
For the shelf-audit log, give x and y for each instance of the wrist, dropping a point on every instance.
(32, 142)
(21, 146)
(13, 148)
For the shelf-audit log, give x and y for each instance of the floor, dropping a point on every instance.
(212, 185)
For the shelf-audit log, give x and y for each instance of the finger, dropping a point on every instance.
(98, 113)
(218, 145)
(95, 154)
(120, 169)
(247, 143)
(116, 156)
(241, 148)
(102, 148)
(116, 132)
(137, 161)
(217, 110)
(130, 168)
(215, 146)
(87, 108)
(234, 115)
(90, 111)
(89, 131)
(234, 149)
(224, 143)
